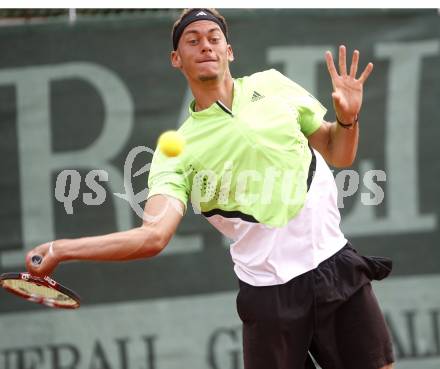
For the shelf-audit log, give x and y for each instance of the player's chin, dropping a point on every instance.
(208, 76)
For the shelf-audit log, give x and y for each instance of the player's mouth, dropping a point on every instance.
(207, 60)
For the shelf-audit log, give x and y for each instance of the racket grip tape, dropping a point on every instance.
(36, 259)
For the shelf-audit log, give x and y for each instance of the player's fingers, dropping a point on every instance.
(365, 74)
(331, 65)
(41, 270)
(30, 266)
(36, 258)
(342, 61)
(354, 64)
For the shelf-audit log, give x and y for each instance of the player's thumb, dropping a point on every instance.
(339, 104)
(336, 98)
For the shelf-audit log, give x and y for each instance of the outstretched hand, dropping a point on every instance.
(347, 90)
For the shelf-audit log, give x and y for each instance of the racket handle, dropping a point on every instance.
(36, 259)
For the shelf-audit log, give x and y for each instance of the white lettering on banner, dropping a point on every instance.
(154, 334)
(300, 63)
(34, 141)
(401, 160)
(402, 197)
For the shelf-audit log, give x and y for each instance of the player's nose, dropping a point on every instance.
(205, 45)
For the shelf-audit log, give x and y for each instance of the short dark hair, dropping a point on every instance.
(213, 11)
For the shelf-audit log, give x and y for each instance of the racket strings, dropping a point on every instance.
(35, 292)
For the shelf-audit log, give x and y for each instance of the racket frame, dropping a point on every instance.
(42, 281)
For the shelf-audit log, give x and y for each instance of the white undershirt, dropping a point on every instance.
(265, 256)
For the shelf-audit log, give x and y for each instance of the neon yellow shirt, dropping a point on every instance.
(250, 162)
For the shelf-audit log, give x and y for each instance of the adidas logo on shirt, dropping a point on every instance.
(201, 13)
(256, 96)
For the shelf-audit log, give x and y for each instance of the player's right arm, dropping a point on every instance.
(162, 215)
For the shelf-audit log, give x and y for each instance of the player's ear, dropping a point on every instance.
(176, 62)
(230, 53)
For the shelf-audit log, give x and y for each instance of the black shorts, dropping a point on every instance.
(330, 311)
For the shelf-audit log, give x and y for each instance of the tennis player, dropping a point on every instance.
(255, 165)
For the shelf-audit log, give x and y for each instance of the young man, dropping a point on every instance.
(249, 169)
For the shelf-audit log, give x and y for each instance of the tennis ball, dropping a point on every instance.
(171, 143)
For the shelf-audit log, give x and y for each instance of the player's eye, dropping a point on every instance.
(215, 40)
(192, 41)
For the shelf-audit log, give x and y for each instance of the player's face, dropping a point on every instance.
(203, 53)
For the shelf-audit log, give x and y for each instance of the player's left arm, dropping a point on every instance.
(337, 142)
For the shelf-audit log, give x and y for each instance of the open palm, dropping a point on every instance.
(347, 90)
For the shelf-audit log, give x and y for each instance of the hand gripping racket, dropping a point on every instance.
(42, 290)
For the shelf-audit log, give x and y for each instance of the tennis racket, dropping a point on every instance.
(42, 290)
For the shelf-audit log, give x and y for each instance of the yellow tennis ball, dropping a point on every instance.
(171, 143)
